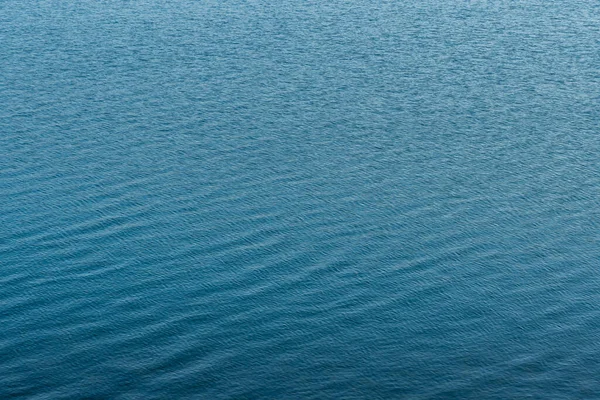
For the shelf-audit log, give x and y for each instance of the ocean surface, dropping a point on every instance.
(341, 199)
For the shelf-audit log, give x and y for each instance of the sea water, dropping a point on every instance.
(341, 199)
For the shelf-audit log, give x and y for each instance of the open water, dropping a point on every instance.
(341, 199)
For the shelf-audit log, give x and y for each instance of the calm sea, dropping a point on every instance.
(319, 199)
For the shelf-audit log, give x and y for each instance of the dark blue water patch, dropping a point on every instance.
(340, 199)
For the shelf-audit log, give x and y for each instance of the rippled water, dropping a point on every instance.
(339, 199)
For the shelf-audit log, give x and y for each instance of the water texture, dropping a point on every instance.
(341, 199)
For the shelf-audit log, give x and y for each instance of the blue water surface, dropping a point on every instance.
(341, 199)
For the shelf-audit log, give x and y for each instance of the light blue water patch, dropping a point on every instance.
(339, 199)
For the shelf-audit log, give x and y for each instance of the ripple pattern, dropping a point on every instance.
(299, 200)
